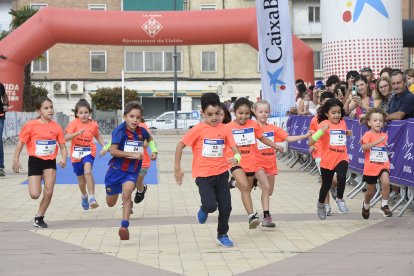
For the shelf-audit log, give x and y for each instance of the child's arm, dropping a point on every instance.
(235, 160)
(269, 143)
(105, 149)
(100, 140)
(178, 172)
(315, 137)
(64, 153)
(70, 136)
(115, 152)
(290, 139)
(373, 144)
(154, 149)
(16, 164)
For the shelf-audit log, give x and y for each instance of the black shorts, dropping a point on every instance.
(37, 165)
(238, 167)
(369, 179)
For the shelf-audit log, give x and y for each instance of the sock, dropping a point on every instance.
(384, 202)
(91, 197)
(366, 206)
(124, 223)
(266, 213)
(85, 196)
(252, 214)
(327, 204)
(38, 216)
(140, 192)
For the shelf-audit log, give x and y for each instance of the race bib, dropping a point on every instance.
(244, 137)
(378, 154)
(45, 147)
(338, 138)
(268, 135)
(134, 146)
(213, 148)
(80, 152)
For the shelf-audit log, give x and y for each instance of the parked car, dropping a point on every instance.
(185, 120)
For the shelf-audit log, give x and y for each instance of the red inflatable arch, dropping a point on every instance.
(74, 26)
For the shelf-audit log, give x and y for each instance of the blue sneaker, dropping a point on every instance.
(223, 240)
(201, 216)
(85, 203)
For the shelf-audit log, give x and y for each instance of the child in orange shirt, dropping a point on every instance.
(245, 132)
(377, 165)
(210, 165)
(334, 157)
(81, 132)
(41, 137)
(266, 160)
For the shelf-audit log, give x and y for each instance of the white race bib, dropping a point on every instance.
(268, 135)
(45, 147)
(80, 152)
(338, 138)
(213, 148)
(244, 137)
(378, 154)
(134, 146)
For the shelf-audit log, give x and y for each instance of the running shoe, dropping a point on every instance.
(2, 172)
(39, 222)
(84, 203)
(386, 212)
(343, 209)
(365, 212)
(321, 210)
(254, 221)
(267, 222)
(202, 216)
(123, 234)
(328, 209)
(223, 240)
(140, 196)
(93, 203)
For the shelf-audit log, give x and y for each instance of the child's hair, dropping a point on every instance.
(261, 102)
(409, 73)
(242, 101)
(209, 99)
(371, 111)
(227, 115)
(39, 101)
(326, 95)
(327, 106)
(133, 105)
(82, 103)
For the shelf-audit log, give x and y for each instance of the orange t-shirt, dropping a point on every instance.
(146, 160)
(333, 144)
(42, 139)
(245, 137)
(376, 158)
(84, 142)
(318, 149)
(207, 143)
(267, 156)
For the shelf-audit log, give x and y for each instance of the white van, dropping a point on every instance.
(185, 120)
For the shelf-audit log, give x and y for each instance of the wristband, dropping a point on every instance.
(317, 135)
(107, 146)
(237, 156)
(152, 146)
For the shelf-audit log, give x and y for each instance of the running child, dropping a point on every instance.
(245, 132)
(42, 137)
(376, 165)
(332, 131)
(126, 148)
(266, 160)
(210, 165)
(81, 132)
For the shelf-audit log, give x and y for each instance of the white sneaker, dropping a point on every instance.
(328, 209)
(320, 207)
(343, 209)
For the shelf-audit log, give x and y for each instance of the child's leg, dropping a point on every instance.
(385, 183)
(326, 176)
(271, 179)
(82, 184)
(265, 186)
(207, 190)
(90, 182)
(224, 203)
(111, 200)
(245, 188)
(35, 186)
(127, 189)
(140, 183)
(340, 170)
(49, 177)
(369, 194)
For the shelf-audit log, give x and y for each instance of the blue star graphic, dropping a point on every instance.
(274, 78)
(376, 4)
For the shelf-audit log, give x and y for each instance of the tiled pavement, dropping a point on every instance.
(166, 238)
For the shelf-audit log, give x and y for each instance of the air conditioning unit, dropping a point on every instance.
(59, 87)
(75, 87)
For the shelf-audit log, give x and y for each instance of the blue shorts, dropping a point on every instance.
(114, 179)
(78, 166)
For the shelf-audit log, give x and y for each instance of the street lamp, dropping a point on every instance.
(175, 78)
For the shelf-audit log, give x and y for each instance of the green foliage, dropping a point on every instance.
(35, 92)
(107, 98)
(20, 16)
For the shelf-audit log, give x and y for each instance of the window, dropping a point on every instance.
(208, 61)
(41, 63)
(313, 14)
(98, 61)
(152, 61)
(207, 7)
(317, 60)
(37, 6)
(97, 7)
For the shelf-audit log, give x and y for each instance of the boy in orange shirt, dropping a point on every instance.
(42, 137)
(377, 164)
(210, 166)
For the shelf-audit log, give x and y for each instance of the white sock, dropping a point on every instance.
(384, 202)
(84, 196)
(366, 206)
(92, 196)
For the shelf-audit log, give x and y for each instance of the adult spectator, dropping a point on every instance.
(4, 103)
(402, 102)
(339, 92)
(382, 93)
(367, 72)
(385, 72)
(350, 77)
(331, 82)
(362, 101)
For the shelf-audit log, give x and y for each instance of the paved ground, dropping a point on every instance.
(167, 240)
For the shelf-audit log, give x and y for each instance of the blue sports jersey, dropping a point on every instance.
(122, 135)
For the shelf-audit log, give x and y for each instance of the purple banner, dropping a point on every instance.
(400, 146)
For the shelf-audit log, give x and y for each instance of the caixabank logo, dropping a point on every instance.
(359, 8)
(275, 81)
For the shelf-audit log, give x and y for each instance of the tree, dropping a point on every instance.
(36, 92)
(107, 98)
(19, 17)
